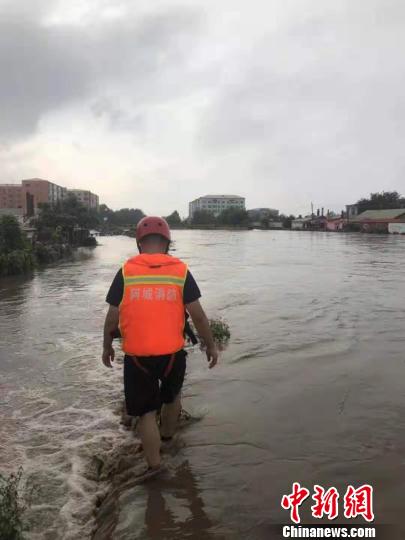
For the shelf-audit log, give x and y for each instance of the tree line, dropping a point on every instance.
(129, 217)
(384, 200)
(237, 217)
(67, 222)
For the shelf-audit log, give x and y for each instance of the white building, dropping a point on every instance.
(299, 224)
(216, 203)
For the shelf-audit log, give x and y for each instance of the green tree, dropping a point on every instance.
(11, 235)
(126, 217)
(233, 217)
(265, 222)
(203, 217)
(287, 220)
(57, 222)
(382, 201)
(106, 216)
(174, 219)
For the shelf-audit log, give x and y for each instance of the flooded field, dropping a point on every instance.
(310, 389)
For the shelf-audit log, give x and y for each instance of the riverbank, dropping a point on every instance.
(212, 228)
(223, 228)
(25, 247)
(131, 232)
(22, 261)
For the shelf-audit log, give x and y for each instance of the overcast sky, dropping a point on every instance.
(153, 103)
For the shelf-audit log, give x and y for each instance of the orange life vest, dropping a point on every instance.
(152, 315)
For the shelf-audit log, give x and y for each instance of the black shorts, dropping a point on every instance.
(146, 384)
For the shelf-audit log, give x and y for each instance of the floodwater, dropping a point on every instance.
(311, 388)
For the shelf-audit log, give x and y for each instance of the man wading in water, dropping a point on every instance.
(148, 299)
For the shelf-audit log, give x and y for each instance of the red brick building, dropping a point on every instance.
(24, 199)
(11, 196)
(36, 191)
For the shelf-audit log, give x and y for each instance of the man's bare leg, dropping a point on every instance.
(169, 417)
(150, 437)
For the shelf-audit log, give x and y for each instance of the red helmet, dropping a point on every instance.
(152, 225)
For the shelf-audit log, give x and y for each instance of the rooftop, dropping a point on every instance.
(262, 210)
(381, 214)
(221, 197)
(35, 180)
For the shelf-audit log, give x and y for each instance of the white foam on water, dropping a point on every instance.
(66, 452)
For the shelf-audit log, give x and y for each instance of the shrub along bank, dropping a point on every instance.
(18, 255)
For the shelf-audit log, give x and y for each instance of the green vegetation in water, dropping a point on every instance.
(220, 330)
(16, 262)
(16, 255)
(14, 501)
(58, 229)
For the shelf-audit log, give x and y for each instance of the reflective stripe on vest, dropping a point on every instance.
(152, 309)
(153, 280)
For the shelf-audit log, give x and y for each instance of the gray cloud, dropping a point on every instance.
(319, 104)
(284, 102)
(322, 78)
(46, 67)
(39, 73)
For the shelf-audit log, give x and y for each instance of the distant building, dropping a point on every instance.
(352, 210)
(259, 214)
(36, 191)
(310, 223)
(264, 218)
(379, 220)
(87, 198)
(24, 199)
(11, 200)
(396, 228)
(276, 225)
(300, 224)
(336, 223)
(216, 203)
(396, 214)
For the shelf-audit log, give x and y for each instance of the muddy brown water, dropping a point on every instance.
(310, 389)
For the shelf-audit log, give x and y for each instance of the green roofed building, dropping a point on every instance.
(380, 221)
(381, 215)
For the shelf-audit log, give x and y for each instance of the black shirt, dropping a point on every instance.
(191, 291)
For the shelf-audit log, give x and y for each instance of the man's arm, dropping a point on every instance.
(202, 325)
(110, 327)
